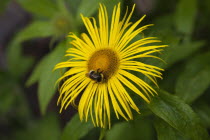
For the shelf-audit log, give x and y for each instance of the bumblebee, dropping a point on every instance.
(95, 75)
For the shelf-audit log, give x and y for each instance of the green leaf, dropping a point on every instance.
(76, 129)
(194, 80)
(49, 77)
(185, 16)
(34, 30)
(178, 115)
(14, 51)
(42, 8)
(203, 111)
(121, 131)
(89, 7)
(46, 128)
(176, 49)
(178, 52)
(163, 30)
(166, 132)
(73, 4)
(137, 129)
(35, 76)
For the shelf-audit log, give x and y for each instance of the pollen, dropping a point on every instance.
(105, 61)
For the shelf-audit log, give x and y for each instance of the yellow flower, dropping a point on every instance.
(100, 68)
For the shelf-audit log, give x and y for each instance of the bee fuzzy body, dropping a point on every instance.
(96, 76)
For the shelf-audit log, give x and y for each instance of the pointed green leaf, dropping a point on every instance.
(179, 115)
(14, 51)
(185, 15)
(35, 76)
(195, 78)
(76, 129)
(34, 30)
(42, 8)
(49, 77)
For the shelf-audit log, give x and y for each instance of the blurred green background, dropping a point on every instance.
(33, 39)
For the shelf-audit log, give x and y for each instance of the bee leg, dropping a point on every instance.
(98, 71)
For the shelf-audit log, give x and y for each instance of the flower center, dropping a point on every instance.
(105, 61)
